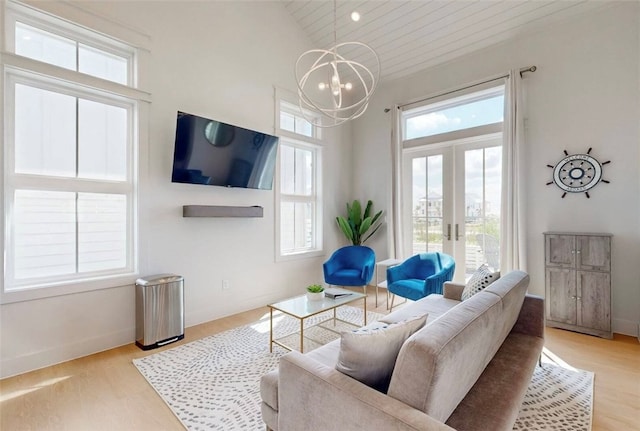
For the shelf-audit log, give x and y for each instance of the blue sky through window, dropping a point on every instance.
(463, 116)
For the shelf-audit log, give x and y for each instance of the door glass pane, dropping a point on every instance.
(44, 233)
(427, 201)
(102, 141)
(102, 231)
(102, 64)
(44, 46)
(45, 132)
(483, 175)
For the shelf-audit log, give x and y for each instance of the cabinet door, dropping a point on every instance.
(594, 300)
(560, 250)
(594, 253)
(561, 295)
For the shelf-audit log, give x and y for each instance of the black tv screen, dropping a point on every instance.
(218, 154)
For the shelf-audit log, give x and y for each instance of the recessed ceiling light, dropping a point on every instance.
(355, 16)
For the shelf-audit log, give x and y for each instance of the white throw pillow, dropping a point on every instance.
(483, 277)
(369, 354)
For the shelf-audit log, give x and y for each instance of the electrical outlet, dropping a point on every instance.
(225, 284)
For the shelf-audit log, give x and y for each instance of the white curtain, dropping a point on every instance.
(512, 235)
(394, 220)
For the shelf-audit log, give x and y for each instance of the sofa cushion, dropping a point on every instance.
(455, 348)
(433, 305)
(369, 354)
(480, 280)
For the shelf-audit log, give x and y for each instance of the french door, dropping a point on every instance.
(452, 200)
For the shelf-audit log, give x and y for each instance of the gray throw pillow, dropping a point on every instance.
(369, 354)
(483, 277)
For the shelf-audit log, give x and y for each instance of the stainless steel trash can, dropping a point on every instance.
(159, 310)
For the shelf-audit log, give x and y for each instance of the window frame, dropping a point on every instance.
(16, 12)
(483, 92)
(28, 71)
(309, 143)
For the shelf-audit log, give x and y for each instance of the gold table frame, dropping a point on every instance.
(301, 308)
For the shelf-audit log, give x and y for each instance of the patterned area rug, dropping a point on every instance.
(213, 383)
(559, 397)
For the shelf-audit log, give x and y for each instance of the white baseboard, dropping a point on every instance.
(65, 352)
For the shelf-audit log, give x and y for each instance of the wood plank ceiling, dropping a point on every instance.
(414, 35)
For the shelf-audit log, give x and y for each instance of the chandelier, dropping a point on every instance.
(335, 83)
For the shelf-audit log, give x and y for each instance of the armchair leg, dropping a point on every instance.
(393, 296)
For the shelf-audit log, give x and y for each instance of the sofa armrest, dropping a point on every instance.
(315, 396)
(453, 290)
(531, 318)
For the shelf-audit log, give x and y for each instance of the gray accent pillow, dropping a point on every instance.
(369, 354)
(483, 277)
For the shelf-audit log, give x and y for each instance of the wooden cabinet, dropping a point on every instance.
(578, 282)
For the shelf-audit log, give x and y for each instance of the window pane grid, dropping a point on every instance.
(67, 136)
(51, 48)
(298, 199)
(66, 233)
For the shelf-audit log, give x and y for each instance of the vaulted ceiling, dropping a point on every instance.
(413, 35)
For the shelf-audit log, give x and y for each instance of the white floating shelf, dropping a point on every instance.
(221, 211)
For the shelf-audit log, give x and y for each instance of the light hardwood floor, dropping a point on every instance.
(105, 391)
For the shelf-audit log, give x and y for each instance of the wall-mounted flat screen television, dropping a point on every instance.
(218, 154)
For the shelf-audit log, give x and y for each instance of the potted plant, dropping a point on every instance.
(356, 225)
(315, 292)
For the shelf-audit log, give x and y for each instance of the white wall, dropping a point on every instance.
(219, 60)
(584, 94)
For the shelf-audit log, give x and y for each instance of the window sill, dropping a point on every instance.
(300, 255)
(68, 288)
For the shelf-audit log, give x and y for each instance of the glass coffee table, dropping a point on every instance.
(302, 308)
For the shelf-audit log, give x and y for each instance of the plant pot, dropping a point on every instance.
(315, 296)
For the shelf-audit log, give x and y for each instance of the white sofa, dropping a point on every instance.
(467, 369)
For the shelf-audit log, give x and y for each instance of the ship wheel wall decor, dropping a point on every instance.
(577, 173)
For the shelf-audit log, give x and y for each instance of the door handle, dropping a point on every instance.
(457, 232)
(448, 232)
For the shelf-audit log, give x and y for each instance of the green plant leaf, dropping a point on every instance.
(367, 210)
(356, 213)
(356, 224)
(376, 217)
(366, 224)
(372, 232)
(346, 228)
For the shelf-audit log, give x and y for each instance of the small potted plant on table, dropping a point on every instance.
(315, 292)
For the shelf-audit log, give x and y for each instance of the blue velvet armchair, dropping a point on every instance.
(420, 275)
(350, 266)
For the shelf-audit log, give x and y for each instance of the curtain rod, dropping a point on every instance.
(522, 70)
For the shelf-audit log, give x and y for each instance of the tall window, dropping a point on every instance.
(70, 154)
(300, 204)
(452, 177)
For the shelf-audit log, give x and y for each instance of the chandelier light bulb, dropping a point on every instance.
(322, 86)
(355, 16)
(348, 86)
